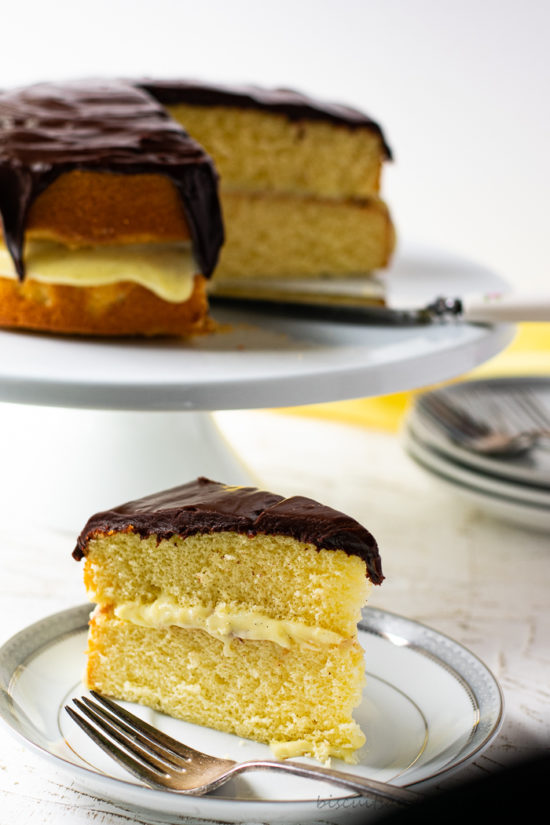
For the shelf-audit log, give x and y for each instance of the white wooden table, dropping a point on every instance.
(448, 565)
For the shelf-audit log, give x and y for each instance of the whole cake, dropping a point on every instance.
(110, 213)
(110, 210)
(233, 608)
(299, 179)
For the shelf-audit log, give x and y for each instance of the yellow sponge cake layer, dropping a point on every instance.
(267, 152)
(85, 208)
(272, 576)
(282, 236)
(113, 309)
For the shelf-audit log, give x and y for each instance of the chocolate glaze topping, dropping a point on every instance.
(103, 126)
(205, 506)
(294, 105)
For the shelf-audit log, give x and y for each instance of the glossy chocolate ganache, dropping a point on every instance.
(205, 506)
(102, 126)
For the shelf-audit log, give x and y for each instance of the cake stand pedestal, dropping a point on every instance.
(60, 465)
(88, 424)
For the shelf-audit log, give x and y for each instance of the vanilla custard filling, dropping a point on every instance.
(224, 624)
(167, 269)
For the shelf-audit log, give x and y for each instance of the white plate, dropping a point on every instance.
(503, 488)
(531, 468)
(429, 706)
(507, 508)
(263, 361)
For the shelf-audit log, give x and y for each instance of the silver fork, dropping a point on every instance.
(161, 761)
(475, 435)
(516, 408)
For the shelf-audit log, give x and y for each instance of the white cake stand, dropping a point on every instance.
(92, 423)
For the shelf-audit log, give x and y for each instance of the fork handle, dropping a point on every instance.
(506, 306)
(353, 782)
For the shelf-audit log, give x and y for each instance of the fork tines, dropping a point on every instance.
(162, 762)
(454, 419)
(140, 748)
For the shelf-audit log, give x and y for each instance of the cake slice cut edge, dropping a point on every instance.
(300, 180)
(245, 631)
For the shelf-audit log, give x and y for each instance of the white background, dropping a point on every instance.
(462, 90)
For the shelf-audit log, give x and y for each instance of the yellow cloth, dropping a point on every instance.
(528, 354)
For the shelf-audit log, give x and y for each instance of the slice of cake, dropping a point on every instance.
(110, 213)
(233, 608)
(299, 180)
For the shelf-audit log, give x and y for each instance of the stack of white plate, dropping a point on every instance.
(515, 489)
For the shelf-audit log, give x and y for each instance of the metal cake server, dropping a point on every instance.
(329, 301)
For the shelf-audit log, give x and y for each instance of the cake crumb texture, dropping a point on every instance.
(268, 152)
(271, 574)
(299, 699)
(86, 208)
(117, 309)
(282, 236)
